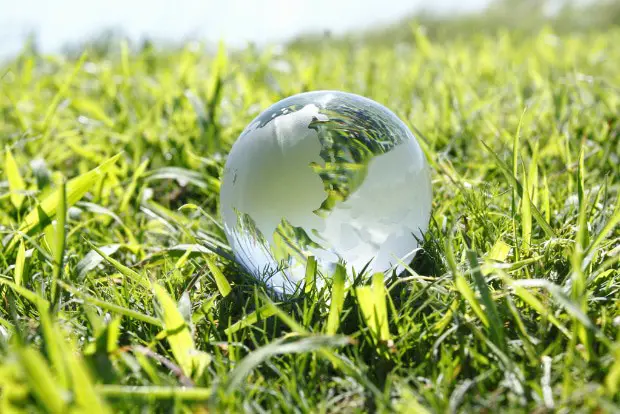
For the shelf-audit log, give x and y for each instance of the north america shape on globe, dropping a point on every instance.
(326, 174)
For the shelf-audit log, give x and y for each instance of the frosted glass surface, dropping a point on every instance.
(326, 174)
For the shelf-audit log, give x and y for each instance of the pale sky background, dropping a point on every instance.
(58, 22)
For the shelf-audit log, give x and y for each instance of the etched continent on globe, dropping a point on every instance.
(326, 174)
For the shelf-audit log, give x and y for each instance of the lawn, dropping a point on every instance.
(117, 288)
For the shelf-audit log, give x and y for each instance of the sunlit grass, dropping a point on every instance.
(511, 305)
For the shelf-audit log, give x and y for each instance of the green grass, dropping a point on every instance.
(512, 306)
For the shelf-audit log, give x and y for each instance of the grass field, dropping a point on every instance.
(513, 306)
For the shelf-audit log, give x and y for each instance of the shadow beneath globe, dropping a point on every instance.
(429, 260)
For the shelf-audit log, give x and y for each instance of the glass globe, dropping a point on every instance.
(326, 174)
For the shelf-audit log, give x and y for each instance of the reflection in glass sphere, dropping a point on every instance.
(326, 174)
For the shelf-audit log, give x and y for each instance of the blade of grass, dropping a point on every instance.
(111, 307)
(612, 380)
(250, 319)
(515, 161)
(179, 335)
(540, 308)
(284, 317)
(84, 390)
(546, 199)
(499, 251)
(608, 228)
(462, 286)
(280, 347)
(41, 381)
(16, 183)
(92, 109)
(532, 175)
(76, 188)
(25, 293)
(337, 300)
(468, 294)
(131, 189)
(310, 277)
(373, 306)
(220, 280)
(579, 291)
(512, 180)
(153, 392)
(526, 217)
(20, 264)
(496, 327)
(124, 270)
(53, 347)
(59, 239)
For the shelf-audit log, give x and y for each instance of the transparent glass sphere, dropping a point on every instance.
(326, 174)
